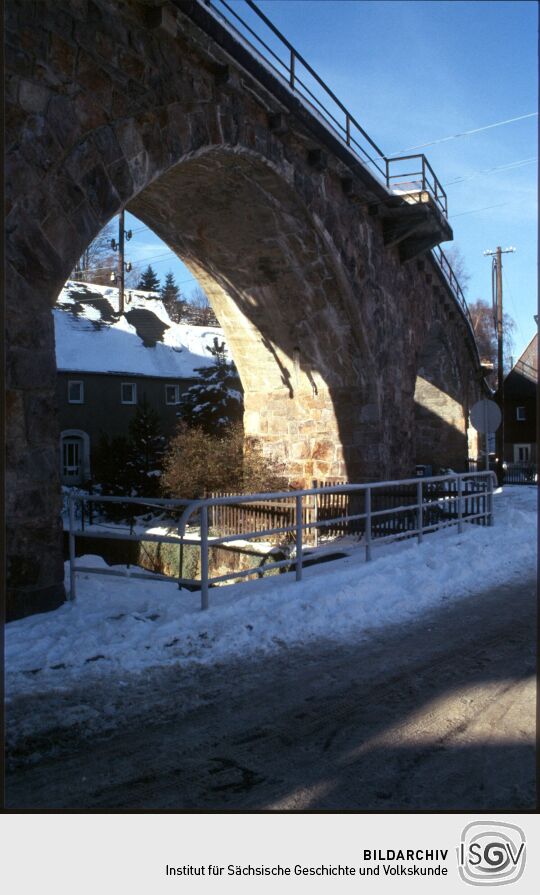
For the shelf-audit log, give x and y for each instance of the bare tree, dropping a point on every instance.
(133, 276)
(202, 314)
(98, 259)
(459, 266)
(486, 335)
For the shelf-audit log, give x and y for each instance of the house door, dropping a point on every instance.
(72, 460)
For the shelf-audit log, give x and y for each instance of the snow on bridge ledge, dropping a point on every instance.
(123, 626)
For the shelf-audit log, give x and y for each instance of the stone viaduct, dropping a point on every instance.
(356, 359)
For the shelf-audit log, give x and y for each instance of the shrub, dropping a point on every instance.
(197, 462)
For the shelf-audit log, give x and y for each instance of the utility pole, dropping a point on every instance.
(119, 278)
(497, 302)
(121, 274)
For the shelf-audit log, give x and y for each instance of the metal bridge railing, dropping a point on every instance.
(450, 277)
(376, 512)
(420, 180)
(298, 74)
(252, 26)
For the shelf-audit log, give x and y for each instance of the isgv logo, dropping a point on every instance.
(491, 853)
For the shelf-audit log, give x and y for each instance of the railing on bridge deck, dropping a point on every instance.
(292, 68)
(251, 24)
(374, 512)
(412, 183)
(451, 279)
(255, 28)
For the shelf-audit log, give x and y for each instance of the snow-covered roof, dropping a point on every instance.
(92, 337)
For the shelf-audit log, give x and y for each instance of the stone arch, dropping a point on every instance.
(125, 105)
(440, 403)
(276, 283)
(298, 360)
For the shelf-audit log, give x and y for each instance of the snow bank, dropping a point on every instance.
(118, 626)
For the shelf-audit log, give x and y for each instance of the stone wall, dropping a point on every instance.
(113, 105)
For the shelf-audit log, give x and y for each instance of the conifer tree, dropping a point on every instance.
(146, 445)
(172, 299)
(149, 280)
(214, 403)
(110, 465)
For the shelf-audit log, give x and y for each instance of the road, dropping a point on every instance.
(438, 714)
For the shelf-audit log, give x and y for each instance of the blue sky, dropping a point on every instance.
(416, 72)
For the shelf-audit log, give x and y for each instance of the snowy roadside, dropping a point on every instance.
(122, 626)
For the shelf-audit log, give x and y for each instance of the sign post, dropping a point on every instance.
(486, 417)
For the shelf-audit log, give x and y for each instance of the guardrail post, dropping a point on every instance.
(291, 70)
(348, 128)
(420, 510)
(489, 500)
(180, 557)
(298, 537)
(316, 520)
(72, 584)
(459, 504)
(368, 524)
(204, 557)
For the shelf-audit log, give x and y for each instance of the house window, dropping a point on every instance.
(522, 453)
(75, 391)
(172, 394)
(128, 393)
(520, 414)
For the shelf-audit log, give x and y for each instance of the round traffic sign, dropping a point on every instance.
(486, 416)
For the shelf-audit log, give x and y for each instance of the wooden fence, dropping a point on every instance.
(230, 519)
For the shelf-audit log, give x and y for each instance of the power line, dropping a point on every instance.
(475, 210)
(475, 130)
(162, 256)
(506, 167)
(513, 306)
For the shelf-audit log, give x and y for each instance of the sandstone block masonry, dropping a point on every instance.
(133, 105)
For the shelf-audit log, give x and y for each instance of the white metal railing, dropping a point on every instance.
(439, 502)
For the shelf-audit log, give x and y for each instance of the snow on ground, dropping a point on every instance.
(120, 626)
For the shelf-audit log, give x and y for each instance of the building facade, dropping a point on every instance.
(108, 364)
(93, 405)
(520, 411)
